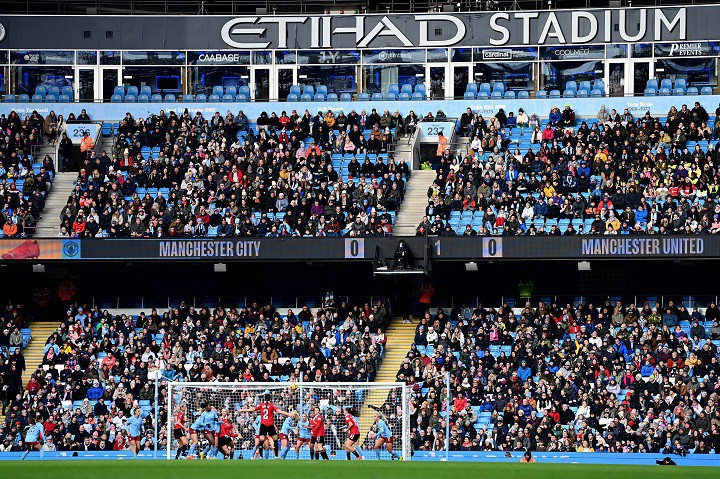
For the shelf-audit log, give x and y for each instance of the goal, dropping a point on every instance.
(390, 399)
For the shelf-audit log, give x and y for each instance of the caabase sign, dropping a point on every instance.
(308, 32)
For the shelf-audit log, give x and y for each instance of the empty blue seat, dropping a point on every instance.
(308, 90)
(652, 83)
(156, 98)
(523, 94)
(319, 97)
(306, 97)
(292, 97)
(377, 96)
(201, 97)
(498, 86)
(41, 90)
(322, 90)
(406, 88)
(116, 99)
(404, 96)
(63, 98)
(692, 90)
(244, 90)
(541, 94)
(417, 96)
(242, 97)
(188, 97)
(469, 95)
(231, 90)
(295, 90)
(345, 97)
(678, 91)
(666, 83)
(569, 94)
(585, 85)
(228, 98)
(363, 96)
(555, 94)
(133, 90)
(50, 97)
(10, 98)
(650, 92)
(599, 85)
(497, 94)
(394, 88)
(332, 96)
(143, 98)
(596, 93)
(218, 90)
(583, 93)
(664, 91)
(214, 97)
(54, 90)
(706, 90)
(145, 90)
(130, 98)
(170, 97)
(38, 98)
(391, 96)
(572, 86)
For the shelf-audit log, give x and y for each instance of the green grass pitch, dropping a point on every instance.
(336, 470)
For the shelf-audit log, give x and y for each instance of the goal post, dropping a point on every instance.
(390, 399)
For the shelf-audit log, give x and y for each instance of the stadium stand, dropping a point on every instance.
(24, 180)
(282, 175)
(98, 366)
(568, 378)
(562, 175)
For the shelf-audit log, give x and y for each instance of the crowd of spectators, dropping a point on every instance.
(177, 174)
(23, 187)
(613, 174)
(570, 378)
(98, 367)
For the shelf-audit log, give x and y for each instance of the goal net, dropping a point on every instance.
(389, 399)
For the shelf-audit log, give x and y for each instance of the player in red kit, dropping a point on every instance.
(226, 435)
(353, 432)
(317, 442)
(180, 432)
(267, 412)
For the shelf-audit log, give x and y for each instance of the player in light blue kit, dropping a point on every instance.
(134, 428)
(289, 425)
(35, 432)
(304, 434)
(384, 436)
(196, 429)
(211, 427)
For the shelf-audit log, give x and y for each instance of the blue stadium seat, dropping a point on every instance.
(187, 97)
(650, 92)
(596, 92)
(345, 97)
(583, 93)
(569, 94)
(116, 99)
(523, 94)
(242, 97)
(227, 98)
(391, 96)
(143, 98)
(320, 97)
(652, 83)
(119, 90)
(678, 91)
(692, 90)
(156, 98)
(510, 95)
(498, 86)
(664, 91)
(417, 96)
(420, 88)
(309, 90)
(245, 90)
(218, 90)
(406, 88)
(64, 98)
(377, 96)
(145, 90)
(497, 94)
(681, 83)
(555, 94)
(201, 97)
(363, 96)
(10, 98)
(170, 97)
(38, 98)
(541, 94)
(50, 98)
(133, 90)
(404, 96)
(469, 95)
(599, 85)
(706, 90)
(322, 90)
(130, 98)
(572, 86)
(292, 97)
(394, 88)
(54, 90)
(214, 97)
(585, 85)
(483, 95)
(295, 90)
(332, 96)
(666, 83)
(231, 90)
(41, 90)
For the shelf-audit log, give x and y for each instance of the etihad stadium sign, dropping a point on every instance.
(446, 30)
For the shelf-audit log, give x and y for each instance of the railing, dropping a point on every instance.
(597, 300)
(279, 302)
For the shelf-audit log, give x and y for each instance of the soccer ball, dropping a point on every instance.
(293, 386)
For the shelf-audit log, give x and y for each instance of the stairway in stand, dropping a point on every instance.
(400, 338)
(40, 331)
(48, 225)
(415, 203)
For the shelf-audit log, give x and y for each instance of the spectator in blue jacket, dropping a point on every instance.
(670, 319)
(96, 391)
(524, 372)
(555, 116)
(540, 208)
(647, 369)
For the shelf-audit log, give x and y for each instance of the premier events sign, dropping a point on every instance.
(374, 31)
